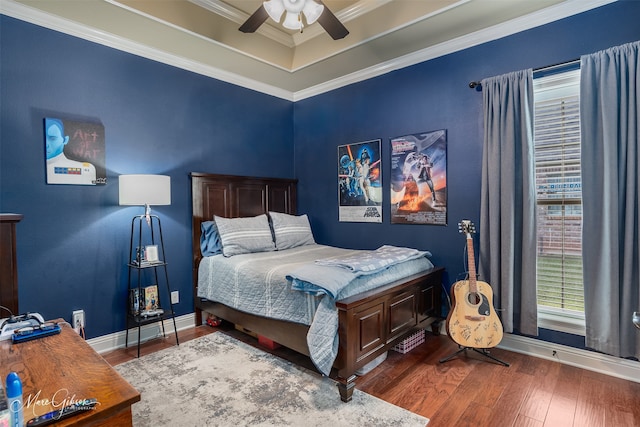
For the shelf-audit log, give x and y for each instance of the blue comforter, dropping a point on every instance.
(257, 284)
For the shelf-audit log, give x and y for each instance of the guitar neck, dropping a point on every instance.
(472, 265)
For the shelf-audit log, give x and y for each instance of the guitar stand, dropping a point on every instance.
(482, 351)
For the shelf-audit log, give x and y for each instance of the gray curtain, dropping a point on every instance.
(609, 115)
(507, 231)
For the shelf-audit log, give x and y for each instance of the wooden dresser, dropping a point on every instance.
(8, 263)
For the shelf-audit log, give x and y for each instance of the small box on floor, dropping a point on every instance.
(372, 365)
(410, 342)
(246, 331)
(266, 342)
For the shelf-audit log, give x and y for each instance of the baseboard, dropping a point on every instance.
(592, 361)
(585, 359)
(116, 340)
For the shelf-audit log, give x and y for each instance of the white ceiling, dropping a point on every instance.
(202, 35)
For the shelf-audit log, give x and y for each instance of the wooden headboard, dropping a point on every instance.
(234, 196)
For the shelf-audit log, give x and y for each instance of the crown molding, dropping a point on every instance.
(553, 13)
(536, 19)
(52, 22)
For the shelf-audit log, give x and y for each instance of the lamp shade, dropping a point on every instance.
(141, 190)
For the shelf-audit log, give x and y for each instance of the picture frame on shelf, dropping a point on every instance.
(151, 253)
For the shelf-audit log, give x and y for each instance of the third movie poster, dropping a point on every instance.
(419, 178)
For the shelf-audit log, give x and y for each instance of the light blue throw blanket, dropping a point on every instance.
(322, 338)
(373, 261)
(344, 276)
(315, 278)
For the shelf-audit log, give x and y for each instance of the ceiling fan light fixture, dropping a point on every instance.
(312, 11)
(294, 6)
(292, 21)
(274, 8)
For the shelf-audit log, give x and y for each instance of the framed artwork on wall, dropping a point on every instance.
(419, 178)
(360, 182)
(75, 152)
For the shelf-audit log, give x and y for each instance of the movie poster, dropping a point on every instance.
(75, 152)
(419, 178)
(360, 182)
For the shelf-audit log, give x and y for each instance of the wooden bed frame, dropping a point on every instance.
(369, 323)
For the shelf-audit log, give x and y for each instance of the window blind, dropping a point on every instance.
(559, 192)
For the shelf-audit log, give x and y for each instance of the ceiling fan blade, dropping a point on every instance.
(255, 20)
(332, 25)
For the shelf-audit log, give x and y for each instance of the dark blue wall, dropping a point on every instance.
(429, 96)
(73, 240)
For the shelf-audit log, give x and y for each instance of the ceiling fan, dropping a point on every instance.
(313, 10)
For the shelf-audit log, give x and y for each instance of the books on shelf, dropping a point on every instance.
(144, 301)
(151, 297)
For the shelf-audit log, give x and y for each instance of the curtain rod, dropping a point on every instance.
(477, 85)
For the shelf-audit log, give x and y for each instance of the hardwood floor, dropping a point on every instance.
(470, 390)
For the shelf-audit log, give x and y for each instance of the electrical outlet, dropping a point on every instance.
(77, 320)
(175, 297)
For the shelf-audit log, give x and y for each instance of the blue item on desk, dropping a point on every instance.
(33, 332)
(14, 399)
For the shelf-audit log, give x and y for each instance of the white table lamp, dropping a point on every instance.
(144, 190)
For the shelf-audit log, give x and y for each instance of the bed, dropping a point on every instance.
(368, 323)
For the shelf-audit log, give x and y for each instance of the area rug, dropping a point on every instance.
(216, 380)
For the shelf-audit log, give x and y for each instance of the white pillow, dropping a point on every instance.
(291, 231)
(244, 235)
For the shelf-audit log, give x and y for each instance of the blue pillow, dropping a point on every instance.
(210, 243)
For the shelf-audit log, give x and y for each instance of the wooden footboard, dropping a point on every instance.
(372, 323)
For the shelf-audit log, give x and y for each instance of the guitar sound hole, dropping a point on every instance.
(473, 298)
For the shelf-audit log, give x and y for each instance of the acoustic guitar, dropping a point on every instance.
(472, 320)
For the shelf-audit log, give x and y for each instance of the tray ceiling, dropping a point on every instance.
(203, 36)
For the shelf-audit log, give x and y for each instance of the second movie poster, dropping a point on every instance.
(419, 178)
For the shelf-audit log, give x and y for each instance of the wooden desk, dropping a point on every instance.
(63, 367)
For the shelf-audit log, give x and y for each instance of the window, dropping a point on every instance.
(559, 202)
